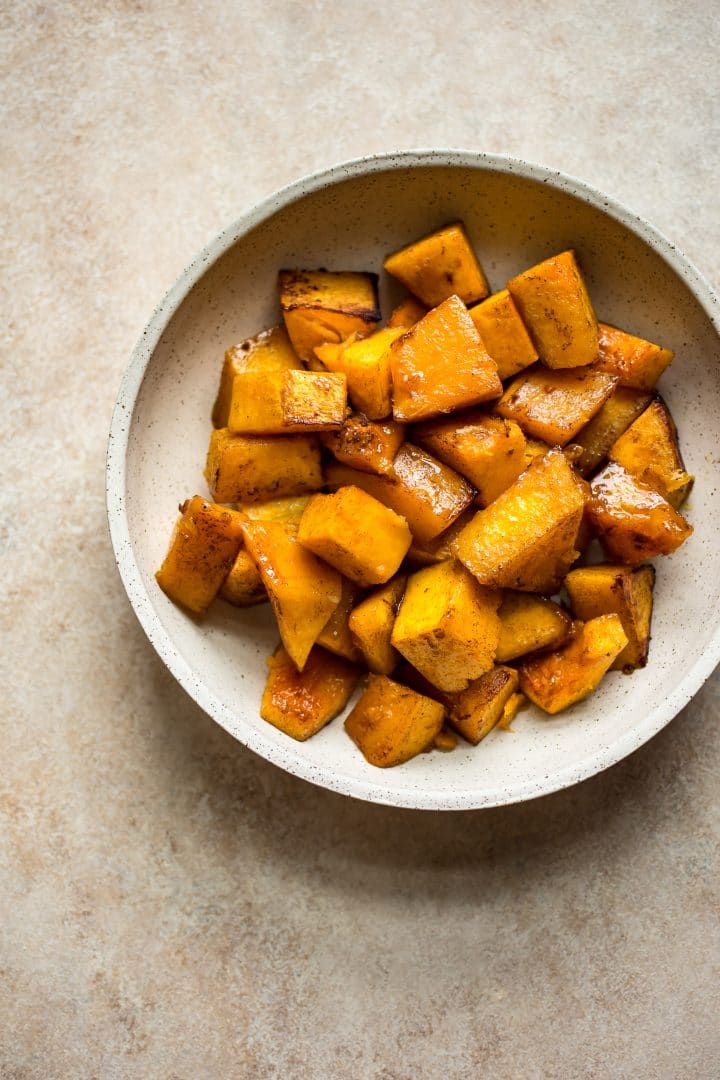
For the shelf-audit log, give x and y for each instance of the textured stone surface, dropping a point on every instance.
(170, 905)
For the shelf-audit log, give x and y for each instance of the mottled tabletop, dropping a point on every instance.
(170, 904)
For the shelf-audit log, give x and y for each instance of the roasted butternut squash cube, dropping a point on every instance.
(529, 623)
(633, 521)
(303, 591)
(441, 364)
(300, 703)
(367, 445)
(269, 351)
(556, 308)
(476, 710)
(321, 305)
(556, 680)
(428, 494)
(512, 707)
(440, 265)
(366, 363)
(447, 625)
(649, 450)
(407, 313)
(636, 362)
(504, 334)
(617, 590)
(391, 723)
(525, 539)
(439, 549)
(289, 508)
(371, 624)
(622, 407)
(203, 547)
(555, 405)
(287, 402)
(488, 451)
(357, 534)
(247, 468)
(243, 586)
(335, 635)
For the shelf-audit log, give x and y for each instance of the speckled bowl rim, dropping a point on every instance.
(286, 756)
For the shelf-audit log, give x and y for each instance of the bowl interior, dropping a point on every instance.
(350, 224)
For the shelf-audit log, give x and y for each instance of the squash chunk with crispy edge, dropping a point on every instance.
(250, 468)
(529, 623)
(366, 365)
(320, 305)
(617, 590)
(287, 402)
(636, 362)
(204, 545)
(335, 635)
(475, 711)
(556, 680)
(303, 591)
(504, 334)
(557, 310)
(391, 723)
(488, 451)
(357, 534)
(441, 364)
(622, 407)
(428, 494)
(371, 624)
(525, 539)
(243, 587)
(300, 703)
(633, 521)
(269, 351)
(407, 313)
(649, 450)
(438, 266)
(447, 625)
(555, 405)
(368, 445)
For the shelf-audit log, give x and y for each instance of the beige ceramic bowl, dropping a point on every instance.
(348, 218)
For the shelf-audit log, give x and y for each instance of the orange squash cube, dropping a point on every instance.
(504, 334)
(243, 587)
(554, 304)
(319, 306)
(441, 364)
(204, 545)
(636, 362)
(634, 522)
(366, 363)
(335, 635)
(475, 711)
(649, 450)
(371, 624)
(269, 351)
(367, 445)
(247, 468)
(529, 623)
(617, 590)
(555, 405)
(439, 549)
(622, 407)
(392, 723)
(488, 451)
(438, 266)
(300, 703)
(287, 402)
(407, 313)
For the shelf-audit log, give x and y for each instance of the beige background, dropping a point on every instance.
(170, 905)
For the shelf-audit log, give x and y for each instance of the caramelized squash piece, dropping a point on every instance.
(556, 680)
(649, 450)
(488, 451)
(407, 313)
(366, 364)
(319, 306)
(287, 402)
(447, 625)
(633, 521)
(529, 623)
(428, 494)
(617, 590)
(475, 711)
(556, 308)
(246, 468)
(368, 445)
(438, 266)
(357, 534)
(335, 635)
(303, 591)
(637, 363)
(504, 334)
(617, 414)
(391, 723)
(525, 538)
(371, 624)
(300, 703)
(243, 586)
(269, 351)
(441, 364)
(204, 545)
(555, 405)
